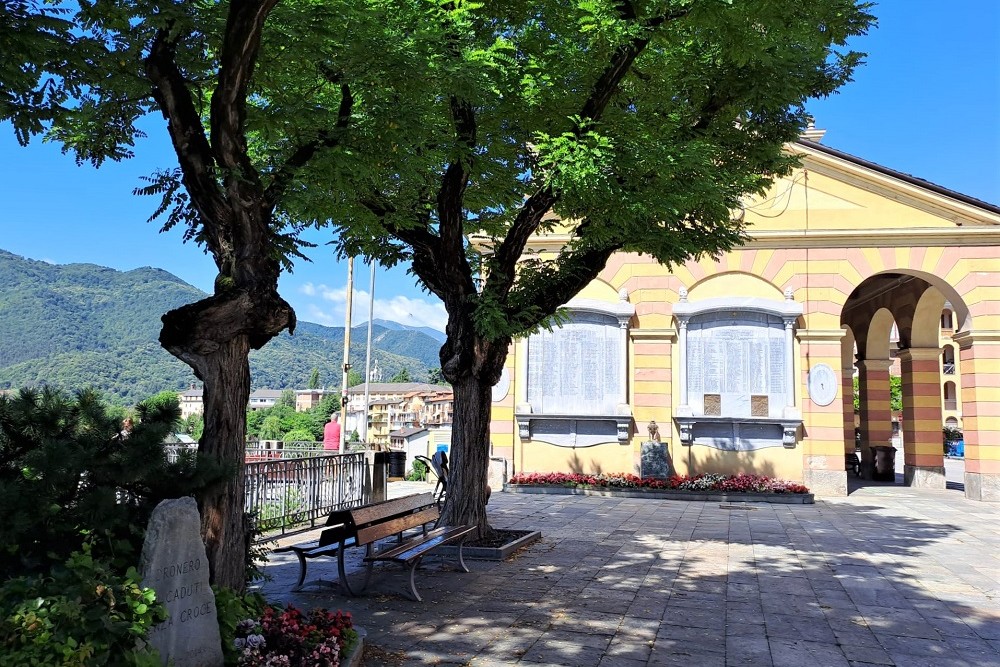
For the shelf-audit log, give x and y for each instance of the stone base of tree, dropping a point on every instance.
(501, 552)
(660, 494)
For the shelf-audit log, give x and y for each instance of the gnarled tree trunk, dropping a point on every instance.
(214, 336)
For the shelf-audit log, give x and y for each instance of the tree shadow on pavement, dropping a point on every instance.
(627, 582)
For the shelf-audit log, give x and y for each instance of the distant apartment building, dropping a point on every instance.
(393, 406)
(307, 399)
(263, 398)
(192, 401)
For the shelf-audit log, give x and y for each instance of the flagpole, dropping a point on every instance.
(368, 351)
(347, 355)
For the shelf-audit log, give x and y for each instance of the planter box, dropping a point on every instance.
(665, 494)
(491, 553)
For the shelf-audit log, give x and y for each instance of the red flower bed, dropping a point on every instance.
(742, 483)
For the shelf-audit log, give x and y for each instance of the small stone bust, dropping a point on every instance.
(654, 431)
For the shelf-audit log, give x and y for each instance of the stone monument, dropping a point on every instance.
(175, 566)
(653, 459)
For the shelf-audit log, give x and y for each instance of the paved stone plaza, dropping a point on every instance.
(886, 576)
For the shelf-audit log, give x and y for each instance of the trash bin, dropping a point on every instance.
(885, 464)
(397, 464)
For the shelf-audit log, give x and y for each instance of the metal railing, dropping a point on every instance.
(294, 492)
(277, 450)
(949, 368)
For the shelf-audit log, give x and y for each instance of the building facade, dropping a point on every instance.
(746, 361)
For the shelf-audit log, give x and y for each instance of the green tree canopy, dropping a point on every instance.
(402, 376)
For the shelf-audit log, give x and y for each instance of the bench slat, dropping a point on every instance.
(419, 545)
(366, 514)
(397, 525)
(378, 511)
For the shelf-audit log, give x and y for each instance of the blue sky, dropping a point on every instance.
(927, 103)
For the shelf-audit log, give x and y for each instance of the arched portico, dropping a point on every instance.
(896, 320)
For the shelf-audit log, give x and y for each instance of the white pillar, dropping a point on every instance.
(790, 363)
(682, 364)
(623, 361)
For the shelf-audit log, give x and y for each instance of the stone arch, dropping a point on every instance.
(733, 284)
(878, 335)
(962, 314)
(925, 328)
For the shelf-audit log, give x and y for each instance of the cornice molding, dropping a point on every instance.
(820, 335)
(650, 335)
(882, 238)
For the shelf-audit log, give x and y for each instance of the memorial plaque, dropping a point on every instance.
(653, 460)
(695, 366)
(736, 376)
(776, 369)
(175, 566)
(577, 368)
(758, 365)
(714, 364)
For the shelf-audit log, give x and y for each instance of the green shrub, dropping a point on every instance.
(232, 608)
(81, 613)
(68, 468)
(418, 473)
(299, 435)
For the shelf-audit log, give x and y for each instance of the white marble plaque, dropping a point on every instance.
(576, 369)
(736, 356)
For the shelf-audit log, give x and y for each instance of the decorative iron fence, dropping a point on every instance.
(294, 492)
(271, 450)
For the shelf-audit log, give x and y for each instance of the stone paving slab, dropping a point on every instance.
(886, 576)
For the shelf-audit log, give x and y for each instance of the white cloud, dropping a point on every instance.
(332, 307)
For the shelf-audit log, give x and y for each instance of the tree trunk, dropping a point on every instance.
(472, 365)
(214, 337)
(227, 391)
(470, 455)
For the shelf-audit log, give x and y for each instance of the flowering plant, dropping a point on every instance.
(741, 483)
(289, 638)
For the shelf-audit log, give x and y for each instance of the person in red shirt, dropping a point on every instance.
(331, 433)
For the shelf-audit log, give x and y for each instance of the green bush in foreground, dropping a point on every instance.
(69, 468)
(81, 613)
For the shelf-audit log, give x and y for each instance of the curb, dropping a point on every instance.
(353, 659)
(660, 494)
(492, 553)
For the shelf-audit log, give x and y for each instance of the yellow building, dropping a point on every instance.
(746, 361)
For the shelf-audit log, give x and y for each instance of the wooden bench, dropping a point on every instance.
(366, 526)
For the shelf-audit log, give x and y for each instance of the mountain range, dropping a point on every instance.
(79, 325)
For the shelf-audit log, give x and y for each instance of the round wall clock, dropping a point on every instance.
(502, 386)
(823, 384)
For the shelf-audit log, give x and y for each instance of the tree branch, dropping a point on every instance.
(188, 136)
(240, 48)
(575, 269)
(301, 156)
(503, 263)
(451, 205)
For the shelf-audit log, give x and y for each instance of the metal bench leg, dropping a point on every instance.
(461, 561)
(302, 572)
(413, 584)
(345, 582)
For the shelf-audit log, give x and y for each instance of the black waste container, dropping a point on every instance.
(397, 464)
(885, 464)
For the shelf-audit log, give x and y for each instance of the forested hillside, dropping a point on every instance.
(80, 325)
